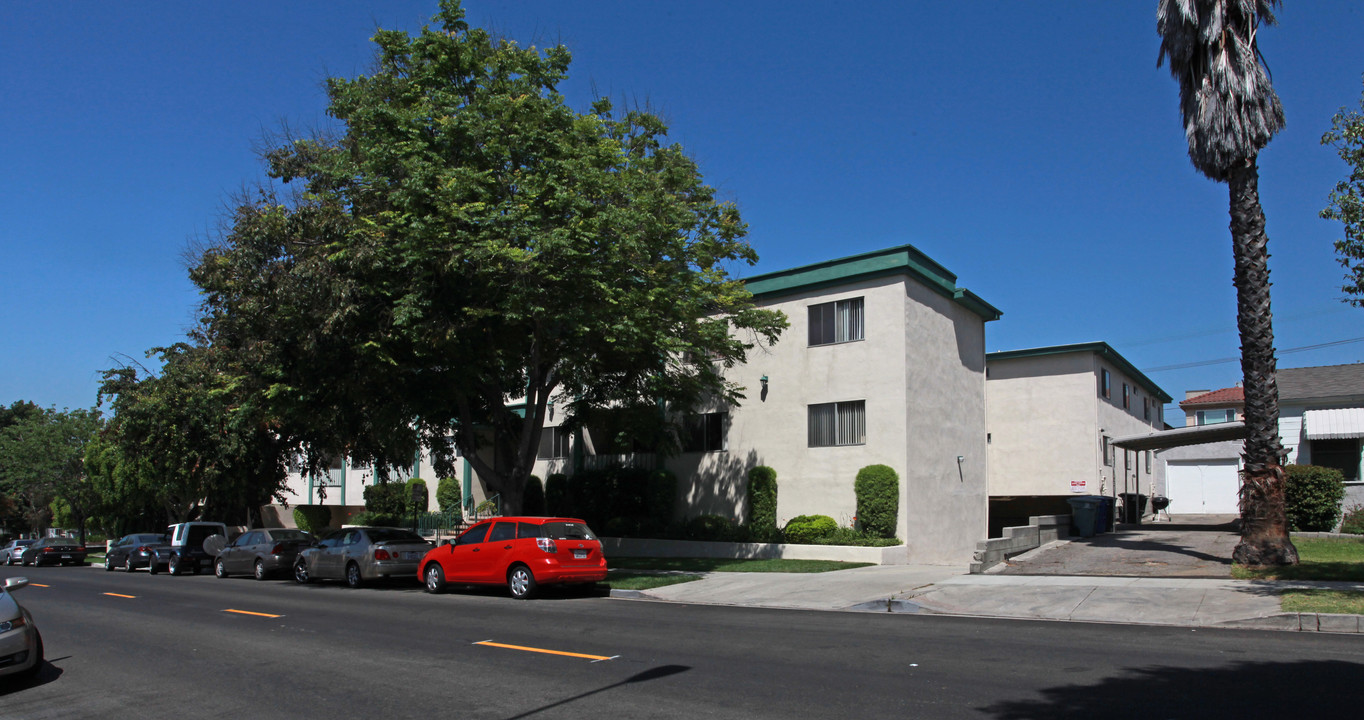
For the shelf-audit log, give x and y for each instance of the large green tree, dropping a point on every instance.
(42, 457)
(1347, 199)
(1230, 112)
(468, 254)
(188, 438)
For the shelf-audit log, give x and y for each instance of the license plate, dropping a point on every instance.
(409, 556)
(66, 557)
(579, 554)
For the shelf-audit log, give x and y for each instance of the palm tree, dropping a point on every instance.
(1230, 112)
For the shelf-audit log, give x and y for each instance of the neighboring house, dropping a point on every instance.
(1321, 421)
(1052, 415)
(884, 363)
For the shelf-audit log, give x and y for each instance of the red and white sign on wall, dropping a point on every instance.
(1079, 486)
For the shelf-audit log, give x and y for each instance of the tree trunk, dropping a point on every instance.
(1264, 525)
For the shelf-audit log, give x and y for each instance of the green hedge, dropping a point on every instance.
(312, 518)
(808, 529)
(762, 503)
(1354, 521)
(380, 519)
(533, 501)
(388, 498)
(449, 494)
(878, 500)
(1312, 497)
(423, 502)
(556, 496)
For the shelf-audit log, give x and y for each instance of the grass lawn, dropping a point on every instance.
(720, 565)
(1326, 559)
(645, 581)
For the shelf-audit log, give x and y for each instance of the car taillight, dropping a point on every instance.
(547, 545)
(382, 554)
(49, 549)
(277, 549)
(144, 548)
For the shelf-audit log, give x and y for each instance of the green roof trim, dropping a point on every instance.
(1102, 349)
(901, 260)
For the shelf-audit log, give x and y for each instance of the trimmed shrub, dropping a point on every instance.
(556, 496)
(851, 536)
(712, 527)
(808, 529)
(1312, 497)
(878, 500)
(762, 502)
(533, 501)
(449, 494)
(312, 518)
(1354, 521)
(423, 497)
(660, 496)
(386, 498)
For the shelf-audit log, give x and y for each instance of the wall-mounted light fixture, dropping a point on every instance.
(763, 380)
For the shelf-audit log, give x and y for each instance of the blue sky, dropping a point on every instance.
(1034, 149)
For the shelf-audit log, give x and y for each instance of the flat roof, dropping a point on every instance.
(1179, 437)
(1102, 349)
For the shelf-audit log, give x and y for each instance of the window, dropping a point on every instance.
(1148, 462)
(503, 531)
(1126, 397)
(1108, 451)
(841, 423)
(553, 443)
(475, 535)
(1214, 417)
(836, 322)
(1146, 408)
(705, 433)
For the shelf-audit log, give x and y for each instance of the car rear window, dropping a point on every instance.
(199, 533)
(391, 535)
(557, 530)
(289, 535)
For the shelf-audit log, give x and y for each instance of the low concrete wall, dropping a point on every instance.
(1040, 530)
(638, 547)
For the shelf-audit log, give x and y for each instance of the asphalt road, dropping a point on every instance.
(137, 646)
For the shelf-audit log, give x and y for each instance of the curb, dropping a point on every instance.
(1302, 622)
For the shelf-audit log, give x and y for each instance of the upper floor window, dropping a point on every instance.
(1146, 408)
(1126, 397)
(553, 443)
(705, 432)
(836, 322)
(1105, 384)
(1213, 417)
(841, 423)
(1107, 449)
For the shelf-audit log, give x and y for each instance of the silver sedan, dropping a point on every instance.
(359, 554)
(261, 553)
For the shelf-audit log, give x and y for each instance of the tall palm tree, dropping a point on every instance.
(1230, 112)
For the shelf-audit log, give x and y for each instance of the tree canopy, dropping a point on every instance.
(1347, 199)
(468, 250)
(42, 458)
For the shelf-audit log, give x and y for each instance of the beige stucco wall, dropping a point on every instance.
(1047, 420)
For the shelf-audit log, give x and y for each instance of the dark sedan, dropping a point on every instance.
(131, 552)
(53, 551)
(262, 552)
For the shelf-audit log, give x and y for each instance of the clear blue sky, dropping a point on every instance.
(1034, 149)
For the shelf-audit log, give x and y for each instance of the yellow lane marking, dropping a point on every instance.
(490, 643)
(39, 585)
(248, 612)
(122, 596)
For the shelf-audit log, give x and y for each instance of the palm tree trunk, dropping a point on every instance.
(1264, 526)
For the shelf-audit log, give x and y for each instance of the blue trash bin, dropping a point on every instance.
(1105, 519)
(1084, 514)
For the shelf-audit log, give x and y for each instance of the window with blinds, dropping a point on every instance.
(554, 443)
(836, 322)
(840, 423)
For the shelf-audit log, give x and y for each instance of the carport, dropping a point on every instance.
(1165, 439)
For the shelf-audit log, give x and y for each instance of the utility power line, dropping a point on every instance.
(1220, 361)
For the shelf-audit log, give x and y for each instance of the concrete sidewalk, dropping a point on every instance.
(1149, 575)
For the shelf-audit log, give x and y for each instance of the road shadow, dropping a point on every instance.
(14, 684)
(1326, 688)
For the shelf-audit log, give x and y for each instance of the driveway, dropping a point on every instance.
(1187, 546)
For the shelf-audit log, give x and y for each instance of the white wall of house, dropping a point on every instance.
(1048, 417)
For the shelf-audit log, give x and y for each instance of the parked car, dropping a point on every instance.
(53, 551)
(21, 646)
(523, 552)
(12, 553)
(359, 554)
(131, 552)
(262, 552)
(186, 551)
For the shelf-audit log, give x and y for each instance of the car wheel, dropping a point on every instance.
(108, 563)
(128, 564)
(220, 569)
(521, 582)
(301, 572)
(38, 662)
(152, 566)
(260, 570)
(9, 559)
(353, 578)
(435, 579)
(173, 567)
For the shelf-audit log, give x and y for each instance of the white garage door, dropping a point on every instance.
(1204, 488)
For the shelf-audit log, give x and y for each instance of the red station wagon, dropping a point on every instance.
(523, 552)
